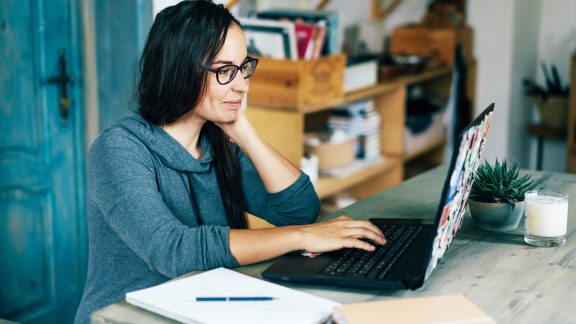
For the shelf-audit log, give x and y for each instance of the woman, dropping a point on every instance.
(167, 190)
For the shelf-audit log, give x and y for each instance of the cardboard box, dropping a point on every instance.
(448, 309)
(360, 75)
(330, 154)
(440, 42)
(297, 84)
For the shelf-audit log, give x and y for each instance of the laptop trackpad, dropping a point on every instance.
(294, 264)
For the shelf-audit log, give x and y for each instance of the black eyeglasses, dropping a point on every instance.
(226, 73)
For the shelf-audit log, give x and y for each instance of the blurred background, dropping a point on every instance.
(67, 71)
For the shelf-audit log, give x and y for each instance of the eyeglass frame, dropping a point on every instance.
(238, 68)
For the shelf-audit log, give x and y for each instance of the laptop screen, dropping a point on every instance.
(465, 161)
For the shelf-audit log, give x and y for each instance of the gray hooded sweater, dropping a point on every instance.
(144, 192)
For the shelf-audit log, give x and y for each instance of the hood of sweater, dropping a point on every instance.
(163, 145)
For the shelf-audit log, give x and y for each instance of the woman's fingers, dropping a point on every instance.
(353, 223)
(358, 244)
(361, 229)
(363, 233)
(342, 232)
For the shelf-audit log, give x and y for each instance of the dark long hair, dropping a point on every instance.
(172, 81)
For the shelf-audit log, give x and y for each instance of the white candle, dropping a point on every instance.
(547, 215)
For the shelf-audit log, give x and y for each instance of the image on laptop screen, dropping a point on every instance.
(466, 162)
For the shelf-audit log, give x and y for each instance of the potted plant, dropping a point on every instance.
(497, 196)
(551, 98)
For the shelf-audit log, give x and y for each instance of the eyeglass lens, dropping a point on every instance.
(225, 74)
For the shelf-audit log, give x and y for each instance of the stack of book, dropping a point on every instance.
(293, 34)
(329, 20)
(361, 120)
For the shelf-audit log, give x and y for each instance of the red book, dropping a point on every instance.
(305, 39)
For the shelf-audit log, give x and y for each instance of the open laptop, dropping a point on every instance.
(414, 247)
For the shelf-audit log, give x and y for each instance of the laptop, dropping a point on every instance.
(414, 246)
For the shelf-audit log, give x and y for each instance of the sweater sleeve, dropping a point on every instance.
(122, 183)
(297, 204)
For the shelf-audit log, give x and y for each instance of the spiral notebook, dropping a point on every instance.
(176, 300)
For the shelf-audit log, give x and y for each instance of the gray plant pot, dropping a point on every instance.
(496, 217)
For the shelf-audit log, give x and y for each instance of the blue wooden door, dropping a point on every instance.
(42, 226)
(122, 32)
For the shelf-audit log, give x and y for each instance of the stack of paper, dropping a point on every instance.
(177, 300)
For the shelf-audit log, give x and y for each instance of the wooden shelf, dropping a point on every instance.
(284, 128)
(379, 89)
(546, 132)
(425, 76)
(328, 186)
(438, 143)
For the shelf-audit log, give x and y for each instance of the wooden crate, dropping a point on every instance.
(426, 41)
(297, 84)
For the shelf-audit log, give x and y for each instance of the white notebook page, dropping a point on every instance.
(176, 300)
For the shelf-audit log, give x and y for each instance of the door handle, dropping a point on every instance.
(62, 80)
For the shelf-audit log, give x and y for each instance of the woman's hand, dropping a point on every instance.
(236, 129)
(341, 232)
(254, 245)
(276, 172)
(239, 127)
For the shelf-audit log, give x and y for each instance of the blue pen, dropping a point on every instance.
(255, 298)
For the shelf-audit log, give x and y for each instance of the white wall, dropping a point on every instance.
(493, 39)
(506, 48)
(158, 5)
(557, 42)
(558, 34)
(524, 64)
(407, 11)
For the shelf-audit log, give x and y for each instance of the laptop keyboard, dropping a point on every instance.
(376, 264)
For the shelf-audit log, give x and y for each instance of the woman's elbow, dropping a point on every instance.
(309, 211)
(314, 210)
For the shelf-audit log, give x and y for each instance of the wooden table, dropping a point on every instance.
(511, 281)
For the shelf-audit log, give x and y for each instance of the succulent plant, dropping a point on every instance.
(502, 183)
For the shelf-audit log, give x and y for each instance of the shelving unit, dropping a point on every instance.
(326, 187)
(571, 147)
(432, 146)
(541, 133)
(284, 126)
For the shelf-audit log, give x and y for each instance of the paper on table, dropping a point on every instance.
(175, 300)
(448, 309)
